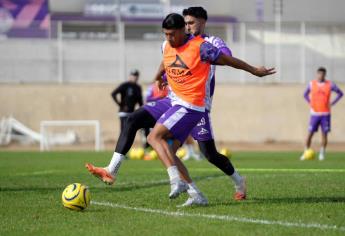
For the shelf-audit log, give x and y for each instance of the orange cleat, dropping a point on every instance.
(240, 196)
(100, 173)
(241, 191)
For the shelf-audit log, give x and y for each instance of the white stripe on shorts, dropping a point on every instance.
(176, 117)
(210, 124)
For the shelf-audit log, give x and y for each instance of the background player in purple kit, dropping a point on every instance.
(318, 94)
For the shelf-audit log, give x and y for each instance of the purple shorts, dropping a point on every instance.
(203, 130)
(178, 119)
(158, 108)
(322, 120)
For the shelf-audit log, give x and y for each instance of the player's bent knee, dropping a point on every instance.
(151, 138)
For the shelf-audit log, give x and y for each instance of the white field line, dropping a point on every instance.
(293, 170)
(271, 170)
(282, 170)
(224, 217)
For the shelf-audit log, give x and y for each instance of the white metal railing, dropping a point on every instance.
(297, 49)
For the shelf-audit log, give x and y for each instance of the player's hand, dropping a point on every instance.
(263, 71)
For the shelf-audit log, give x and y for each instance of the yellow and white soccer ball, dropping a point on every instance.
(309, 154)
(140, 153)
(136, 153)
(226, 152)
(181, 153)
(152, 155)
(76, 197)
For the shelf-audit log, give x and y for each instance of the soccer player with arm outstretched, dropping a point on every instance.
(180, 116)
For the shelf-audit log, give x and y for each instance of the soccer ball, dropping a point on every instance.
(226, 152)
(76, 197)
(152, 155)
(136, 153)
(181, 152)
(140, 153)
(309, 154)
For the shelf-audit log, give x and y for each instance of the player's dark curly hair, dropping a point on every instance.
(173, 21)
(197, 12)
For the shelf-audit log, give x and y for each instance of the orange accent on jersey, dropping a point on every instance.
(157, 93)
(320, 94)
(186, 73)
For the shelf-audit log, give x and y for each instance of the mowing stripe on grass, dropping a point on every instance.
(43, 172)
(253, 170)
(223, 217)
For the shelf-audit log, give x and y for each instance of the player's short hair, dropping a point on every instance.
(173, 21)
(322, 69)
(197, 12)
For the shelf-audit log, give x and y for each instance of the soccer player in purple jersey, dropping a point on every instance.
(145, 117)
(318, 94)
(195, 18)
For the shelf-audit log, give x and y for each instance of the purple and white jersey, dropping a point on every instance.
(211, 83)
(207, 54)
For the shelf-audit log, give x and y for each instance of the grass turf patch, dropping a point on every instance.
(280, 189)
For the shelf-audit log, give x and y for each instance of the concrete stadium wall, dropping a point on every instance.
(248, 113)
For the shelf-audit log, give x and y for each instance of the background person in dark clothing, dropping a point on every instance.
(127, 96)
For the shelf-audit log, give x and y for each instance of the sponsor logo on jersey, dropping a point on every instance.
(178, 70)
(203, 131)
(151, 104)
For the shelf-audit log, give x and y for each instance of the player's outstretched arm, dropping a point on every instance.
(239, 64)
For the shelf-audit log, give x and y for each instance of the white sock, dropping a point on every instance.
(236, 178)
(174, 174)
(193, 189)
(115, 163)
(322, 151)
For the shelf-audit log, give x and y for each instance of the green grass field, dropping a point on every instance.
(285, 197)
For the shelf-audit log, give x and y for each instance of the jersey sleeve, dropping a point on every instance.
(221, 45)
(149, 93)
(209, 53)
